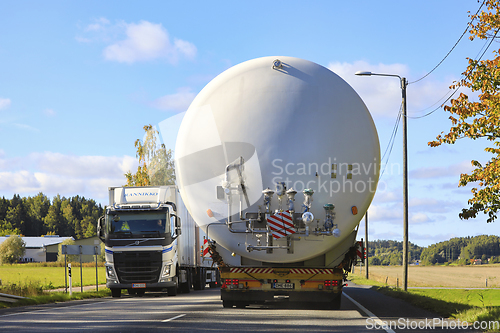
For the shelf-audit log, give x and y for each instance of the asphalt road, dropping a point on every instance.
(202, 311)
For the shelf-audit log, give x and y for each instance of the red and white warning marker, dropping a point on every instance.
(204, 249)
(281, 224)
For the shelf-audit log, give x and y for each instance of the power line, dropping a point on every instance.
(390, 145)
(449, 52)
(458, 87)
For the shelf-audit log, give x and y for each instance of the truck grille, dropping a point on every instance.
(132, 267)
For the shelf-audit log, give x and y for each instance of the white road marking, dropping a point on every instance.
(369, 313)
(173, 318)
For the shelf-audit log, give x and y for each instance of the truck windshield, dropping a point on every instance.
(137, 224)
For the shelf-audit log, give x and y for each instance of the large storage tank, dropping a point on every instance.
(277, 123)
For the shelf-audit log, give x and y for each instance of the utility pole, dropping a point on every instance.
(366, 243)
(404, 83)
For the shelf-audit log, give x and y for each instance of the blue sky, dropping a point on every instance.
(79, 80)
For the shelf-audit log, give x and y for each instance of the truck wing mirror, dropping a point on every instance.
(100, 228)
(177, 225)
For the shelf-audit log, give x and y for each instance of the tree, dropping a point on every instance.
(156, 166)
(37, 207)
(91, 229)
(479, 119)
(54, 221)
(12, 249)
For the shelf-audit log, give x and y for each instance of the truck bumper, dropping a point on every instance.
(138, 286)
(260, 296)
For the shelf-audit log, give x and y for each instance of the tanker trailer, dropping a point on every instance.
(277, 160)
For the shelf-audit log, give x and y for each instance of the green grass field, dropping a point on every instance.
(49, 277)
(464, 304)
(437, 276)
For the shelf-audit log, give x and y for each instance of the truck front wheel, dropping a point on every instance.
(172, 291)
(116, 292)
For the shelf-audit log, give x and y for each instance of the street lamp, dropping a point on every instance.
(404, 83)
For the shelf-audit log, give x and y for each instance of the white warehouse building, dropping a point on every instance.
(40, 249)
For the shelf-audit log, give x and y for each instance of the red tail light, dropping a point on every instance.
(236, 281)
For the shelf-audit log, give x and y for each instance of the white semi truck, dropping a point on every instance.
(277, 160)
(152, 243)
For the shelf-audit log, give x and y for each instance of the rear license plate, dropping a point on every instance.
(278, 285)
(138, 285)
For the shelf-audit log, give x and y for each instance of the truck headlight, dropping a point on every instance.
(110, 273)
(165, 273)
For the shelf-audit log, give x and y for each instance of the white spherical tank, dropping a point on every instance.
(263, 130)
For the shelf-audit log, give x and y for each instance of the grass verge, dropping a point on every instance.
(50, 274)
(56, 297)
(35, 294)
(470, 305)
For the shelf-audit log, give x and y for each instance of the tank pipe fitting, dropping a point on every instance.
(238, 166)
(280, 192)
(291, 198)
(308, 193)
(250, 248)
(268, 195)
(330, 215)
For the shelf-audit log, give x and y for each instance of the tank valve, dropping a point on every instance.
(268, 195)
(291, 198)
(280, 192)
(308, 193)
(330, 215)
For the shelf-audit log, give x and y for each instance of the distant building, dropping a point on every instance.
(476, 261)
(40, 249)
(90, 241)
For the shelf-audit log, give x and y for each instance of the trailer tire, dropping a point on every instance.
(186, 287)
(240, 304)
(227, 304)
(336, 303)
(116, 292)
(198, 283)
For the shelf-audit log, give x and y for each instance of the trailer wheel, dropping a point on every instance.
(198, 283)
(186, 287)
(336, 303)
(240, 305)
(227, 304)
(116, 292)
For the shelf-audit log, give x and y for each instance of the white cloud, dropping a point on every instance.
(49, 112)
(4, 103)
(147, 41)
(382, 95)
(26, 127)
(55, 173)
(385, 213)
(98, 25)
(452, 170)
(419, 218)
(179, 101)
